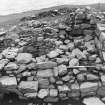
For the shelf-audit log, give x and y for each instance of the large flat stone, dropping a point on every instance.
(45, 73)
(93, 100)
(6, 81)
(28, 86)
(24, 58)
(46, 65)
(88, 88)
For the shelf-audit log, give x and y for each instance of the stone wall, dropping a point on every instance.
(73, 69)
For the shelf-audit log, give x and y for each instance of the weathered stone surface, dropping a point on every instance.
(3, 62)
(43, 93)
(11, 66)
(7, 81)
(78, 53)
(46, 65)
(81, 76)
(92, 77)
(73, 62)
(10, 53)
(103, 54)
(51, 99)
(45, 73)
(63, 88)
(53, 54)
(43, 83)
(66, 78)
(62, 69)
(103, 79)
(88, 87)
(55, 71)
(101, 91)
(28, 86)
(75, 90)
(62, 60)
(24, 58)
(53, 92)
(30, 95)
(91, 100)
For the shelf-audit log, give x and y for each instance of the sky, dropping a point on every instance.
(16, 6)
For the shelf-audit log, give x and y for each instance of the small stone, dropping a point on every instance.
(43, 93)
(98, 60)
(78, 53)
(76, 71)
(6, 81)
(59, 82)
(30, 95)
(103, 79)
(75, 90)
(51, 99)
(70, 46)
(92, 77)
(62, 69)
(62, 60)
(63, 88)
(52, 79)
(28, 86)
(24, 58)
(46, 65)
(55, 71)
(26, 74)
(30, 78)
(11, 66)
(53, 54)
(10, 53)
(31, 66)
(73, 62)
(41, 58)
(43, 83)
(101, 91)
(66, 78)
(92, 57)
(91, 100)
(3, 62)
(81, 76)
(53, 92)
(63, 47)
(45, 73)
(21, 68)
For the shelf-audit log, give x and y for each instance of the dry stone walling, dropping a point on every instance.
(38, 57)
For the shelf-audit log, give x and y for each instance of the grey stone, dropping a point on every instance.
(87, 88)
(91, 100)
(45, 73)
(46, 65)
(53, 54)
(24, 58)
(53, 92)
(73, 62)
(10, 53)
(62, 69)
(43, 93)
(28, 86)
(43, 83)
(11, 66)
(7, 81)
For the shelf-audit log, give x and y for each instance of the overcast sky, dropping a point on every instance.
(15, 6)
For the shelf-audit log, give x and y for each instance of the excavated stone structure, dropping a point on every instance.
(54, 60)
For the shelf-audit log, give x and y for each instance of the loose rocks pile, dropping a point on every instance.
(39, 63)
